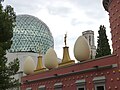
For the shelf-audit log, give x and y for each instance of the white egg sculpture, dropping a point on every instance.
(50, 59)
(29, 65)
(82, 49)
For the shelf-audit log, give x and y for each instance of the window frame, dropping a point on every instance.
(58, 86)
(28, 88)
(80, 84)
(99, 85)
(81, 87)
(41, 87)
(99, 81)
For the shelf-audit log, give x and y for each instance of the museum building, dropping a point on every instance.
(88, 74)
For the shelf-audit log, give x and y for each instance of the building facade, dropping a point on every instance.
(97, 74)
(89, 35)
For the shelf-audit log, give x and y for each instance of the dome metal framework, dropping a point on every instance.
(31, 35)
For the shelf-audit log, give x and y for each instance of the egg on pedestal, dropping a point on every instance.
(50, 59)
(82, 50)
(29, 65)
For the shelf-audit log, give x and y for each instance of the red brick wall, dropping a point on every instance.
(114, 15)
(112, 80)
(69, 80)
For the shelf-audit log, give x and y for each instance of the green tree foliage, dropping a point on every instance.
(7, 70)
(103, 47)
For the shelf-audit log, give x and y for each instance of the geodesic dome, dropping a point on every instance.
(31, 35)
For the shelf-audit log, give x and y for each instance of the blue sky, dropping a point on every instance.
(61, 16)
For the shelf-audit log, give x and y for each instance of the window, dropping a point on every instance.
(100, 87)
(42, 87)
(58, 86)
(80, 84)
(90, 40)
(99, 83)
(81, 88)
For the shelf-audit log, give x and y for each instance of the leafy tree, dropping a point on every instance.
(7, 70)
(103, 47)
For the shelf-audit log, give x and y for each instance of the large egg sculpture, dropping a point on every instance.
(29, 65)
(50, 59)
(82, 49)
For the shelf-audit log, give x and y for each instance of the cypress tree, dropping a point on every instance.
(103, 47)
(7, 70)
